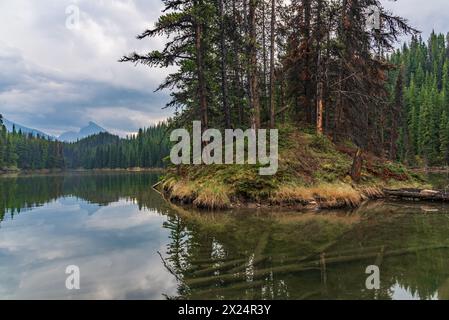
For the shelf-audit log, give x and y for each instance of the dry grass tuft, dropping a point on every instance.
(209, 195)
(213, 197)
(337, 195)
(183, 191)
(291, 194)
(326, 195)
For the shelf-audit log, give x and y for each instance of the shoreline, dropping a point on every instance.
(14, 173)
(317, 203)
(313, 173)
(324, 201)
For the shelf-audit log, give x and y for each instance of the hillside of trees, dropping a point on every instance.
(420, 97)
(23, 151)
(146, 149)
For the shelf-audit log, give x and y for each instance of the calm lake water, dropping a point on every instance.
(130, 244)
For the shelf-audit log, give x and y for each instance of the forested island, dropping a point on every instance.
(354, 109)
(350, 108)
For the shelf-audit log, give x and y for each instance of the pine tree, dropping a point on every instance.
(444, 138)
(189, 23)
(2, 142)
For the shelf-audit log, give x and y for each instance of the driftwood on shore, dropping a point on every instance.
(418, 194)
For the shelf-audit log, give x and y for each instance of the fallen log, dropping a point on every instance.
(257, 275)
(257, 258)
(309, 295)
(329, 254)
(212, 261)
(305, 267)
(418, 194)
(219, 267)
(213, 293)
(384, 253)
(254, 262)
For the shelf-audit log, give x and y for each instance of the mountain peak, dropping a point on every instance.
(10, 126)
(89, 130)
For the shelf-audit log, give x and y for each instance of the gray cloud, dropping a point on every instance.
(57, 79)
(423, 15)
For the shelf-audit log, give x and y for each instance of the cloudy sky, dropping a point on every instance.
(55, 78)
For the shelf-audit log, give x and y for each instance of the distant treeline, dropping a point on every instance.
(146, 149)
(420, 90)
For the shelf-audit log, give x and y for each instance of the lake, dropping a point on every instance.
(129, 243)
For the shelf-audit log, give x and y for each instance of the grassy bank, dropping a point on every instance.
(313, 173)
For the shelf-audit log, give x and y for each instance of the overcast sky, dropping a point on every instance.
(55, 78)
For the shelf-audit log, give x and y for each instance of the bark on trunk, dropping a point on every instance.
(253, 77)
(272, 75)
(319, 108)
(306, 72)
(201, 77)
(224, 82)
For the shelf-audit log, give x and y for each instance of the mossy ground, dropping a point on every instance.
(313, 171)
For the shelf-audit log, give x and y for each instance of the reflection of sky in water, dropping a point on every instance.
(400, 293)
(115, 247)
(89, 207)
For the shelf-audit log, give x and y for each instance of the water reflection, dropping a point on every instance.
(131, 244)
(108, 225)
(314, 255)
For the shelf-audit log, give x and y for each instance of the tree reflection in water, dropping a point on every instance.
(286, 255)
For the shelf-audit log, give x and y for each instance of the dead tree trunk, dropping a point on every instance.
(319, 108)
